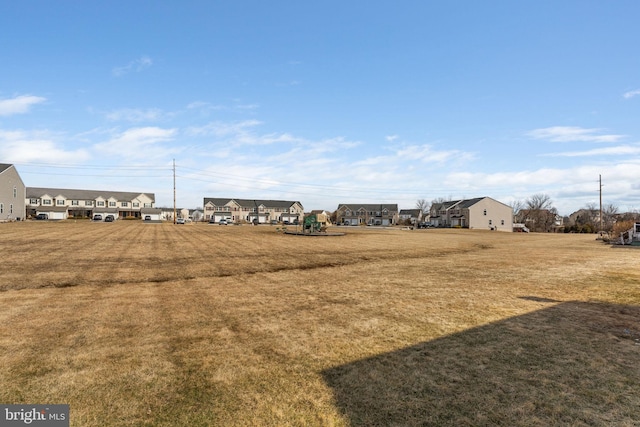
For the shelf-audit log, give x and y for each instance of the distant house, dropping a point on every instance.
(541, 220)
(367, 214)
(414, 216)
(12, 194)
(196, 215)
(253, 211)
(60, 203)
(151, 214)
(479, 213)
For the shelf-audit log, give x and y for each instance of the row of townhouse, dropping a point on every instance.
(58, 203)
(252, 211)
(367, 214)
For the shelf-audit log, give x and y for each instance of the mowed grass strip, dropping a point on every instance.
(209, 325)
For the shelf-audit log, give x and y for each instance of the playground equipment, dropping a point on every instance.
(631, 236)
(312, 225)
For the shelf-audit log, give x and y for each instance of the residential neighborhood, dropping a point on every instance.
(19, 202)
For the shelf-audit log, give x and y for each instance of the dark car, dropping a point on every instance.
(109, 218)
(97, 217)
(147, 217)
(42, 216)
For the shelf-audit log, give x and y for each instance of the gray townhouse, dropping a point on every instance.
(367, 214)
(12, 194)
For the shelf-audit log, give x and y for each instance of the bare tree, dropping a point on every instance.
(518, 206)
(609, 214)
(540, 215)
(539, 202)
(423, 205)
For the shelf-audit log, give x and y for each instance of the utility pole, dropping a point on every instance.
(600, 179)
(174, 191)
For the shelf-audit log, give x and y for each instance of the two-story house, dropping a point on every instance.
(367, 214)
(411, 216)
(252, 211)
(59, 203)
(12, 194)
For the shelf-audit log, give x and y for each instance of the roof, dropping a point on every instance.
(4, 167)
(415, 212)
(37, 192)
(251, 203)
(370, 207)
(464, 204)
(151, 211)
(461, 204)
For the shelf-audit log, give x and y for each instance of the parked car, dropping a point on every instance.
(42, 216)
(109, 218)
(97, 217)
(147, 217)
(223, 222)
(180, 221)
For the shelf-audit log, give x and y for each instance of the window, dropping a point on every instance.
(490, 222)
(1, 208)
(502, 222)
(46, 201)
(60, 202)
(148, 205)
(485, 214)
(136, 204)
(99, 203)
(88, 202)
(112, 204)
(75, 203)
(15, 192)
(11, 208)
(33, 201)
(125, 204)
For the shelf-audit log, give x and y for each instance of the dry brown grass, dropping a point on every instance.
(197, 325)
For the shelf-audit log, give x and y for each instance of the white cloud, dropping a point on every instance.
(608, 151)
(136, 115)
(427, 154)
(631, 94)
(221, 129)
(391, 138)
(41, 146)
(572, 134)
(136, 65)
(144, 142)
(19, 105)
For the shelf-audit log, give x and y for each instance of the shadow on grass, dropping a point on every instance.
(571, 364)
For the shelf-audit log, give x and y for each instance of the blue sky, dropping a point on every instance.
(325, 102)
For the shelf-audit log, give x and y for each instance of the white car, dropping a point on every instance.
(180, 221)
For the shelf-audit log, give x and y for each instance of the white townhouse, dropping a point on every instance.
(479, 213)
(254, 211)
(60, 203)
(12, 194)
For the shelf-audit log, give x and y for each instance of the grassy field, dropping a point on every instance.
(137, 324)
